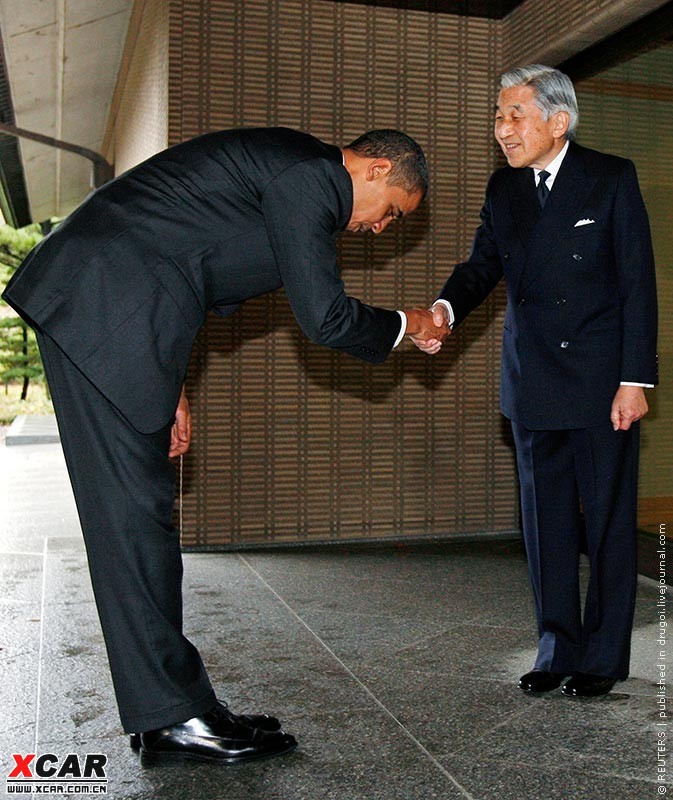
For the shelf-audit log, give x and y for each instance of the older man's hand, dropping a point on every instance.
(628, 407)
(440, 321)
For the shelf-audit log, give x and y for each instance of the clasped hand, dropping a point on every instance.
(428, 329)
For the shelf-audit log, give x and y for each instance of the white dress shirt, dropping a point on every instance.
(552, 168)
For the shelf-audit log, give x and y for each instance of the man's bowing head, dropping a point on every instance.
(390, 178)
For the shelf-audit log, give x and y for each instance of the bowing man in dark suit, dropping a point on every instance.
(567, 228)
(117, 294)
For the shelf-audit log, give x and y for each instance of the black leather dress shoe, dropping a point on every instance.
(539, 680)
(262, 721)
(217, 736)
(584, 685)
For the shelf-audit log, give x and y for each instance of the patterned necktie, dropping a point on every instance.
(542, 190)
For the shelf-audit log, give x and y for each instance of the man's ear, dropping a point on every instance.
(561, 124)
(379, 168)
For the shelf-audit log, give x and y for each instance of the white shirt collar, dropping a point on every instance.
(552, 168)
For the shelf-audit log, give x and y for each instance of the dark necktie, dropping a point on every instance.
(542, 190)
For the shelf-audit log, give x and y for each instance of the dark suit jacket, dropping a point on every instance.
(581, 300)
(124, 283)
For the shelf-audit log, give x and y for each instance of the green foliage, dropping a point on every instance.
(19, 354)
(15, 244)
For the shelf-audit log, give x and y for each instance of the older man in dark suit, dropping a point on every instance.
(567, 228)
(117, 294)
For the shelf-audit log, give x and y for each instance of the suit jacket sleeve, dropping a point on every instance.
(472, 281)
(304, 207)
(636, 281)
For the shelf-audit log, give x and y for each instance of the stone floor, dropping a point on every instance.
(396, 669)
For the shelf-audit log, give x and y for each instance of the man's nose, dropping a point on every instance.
(503, 130)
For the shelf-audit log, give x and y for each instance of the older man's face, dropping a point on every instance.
(526, 138)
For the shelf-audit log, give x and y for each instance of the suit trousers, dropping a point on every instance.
(576, 484)
(123, 482)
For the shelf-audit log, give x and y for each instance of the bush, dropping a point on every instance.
(19, 355)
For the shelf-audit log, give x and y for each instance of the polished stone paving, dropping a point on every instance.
(395, 668)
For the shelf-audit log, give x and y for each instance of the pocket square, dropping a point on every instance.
(581, 222)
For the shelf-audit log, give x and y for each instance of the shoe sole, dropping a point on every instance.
(539, 691)
(586, 694)
(154, 758)
(134, 738)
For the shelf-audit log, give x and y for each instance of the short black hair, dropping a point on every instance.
(410, 169)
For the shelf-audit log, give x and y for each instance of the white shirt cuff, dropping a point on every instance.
(447, 306)
(403, 329)
(642, 385)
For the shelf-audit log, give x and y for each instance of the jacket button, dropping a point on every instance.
(564, 344)
(522, 301)
(561, 301)
(577, 257)
(506, 256)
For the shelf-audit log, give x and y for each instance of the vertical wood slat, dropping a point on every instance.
(295, 442)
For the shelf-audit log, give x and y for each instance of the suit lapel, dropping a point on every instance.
(569, 193)
(523, 203)
(517, 210)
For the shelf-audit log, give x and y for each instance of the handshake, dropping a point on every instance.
(428, 329)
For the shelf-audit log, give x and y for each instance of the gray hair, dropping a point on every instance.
(554, 91)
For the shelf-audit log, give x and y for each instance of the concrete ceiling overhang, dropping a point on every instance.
(62, 59)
